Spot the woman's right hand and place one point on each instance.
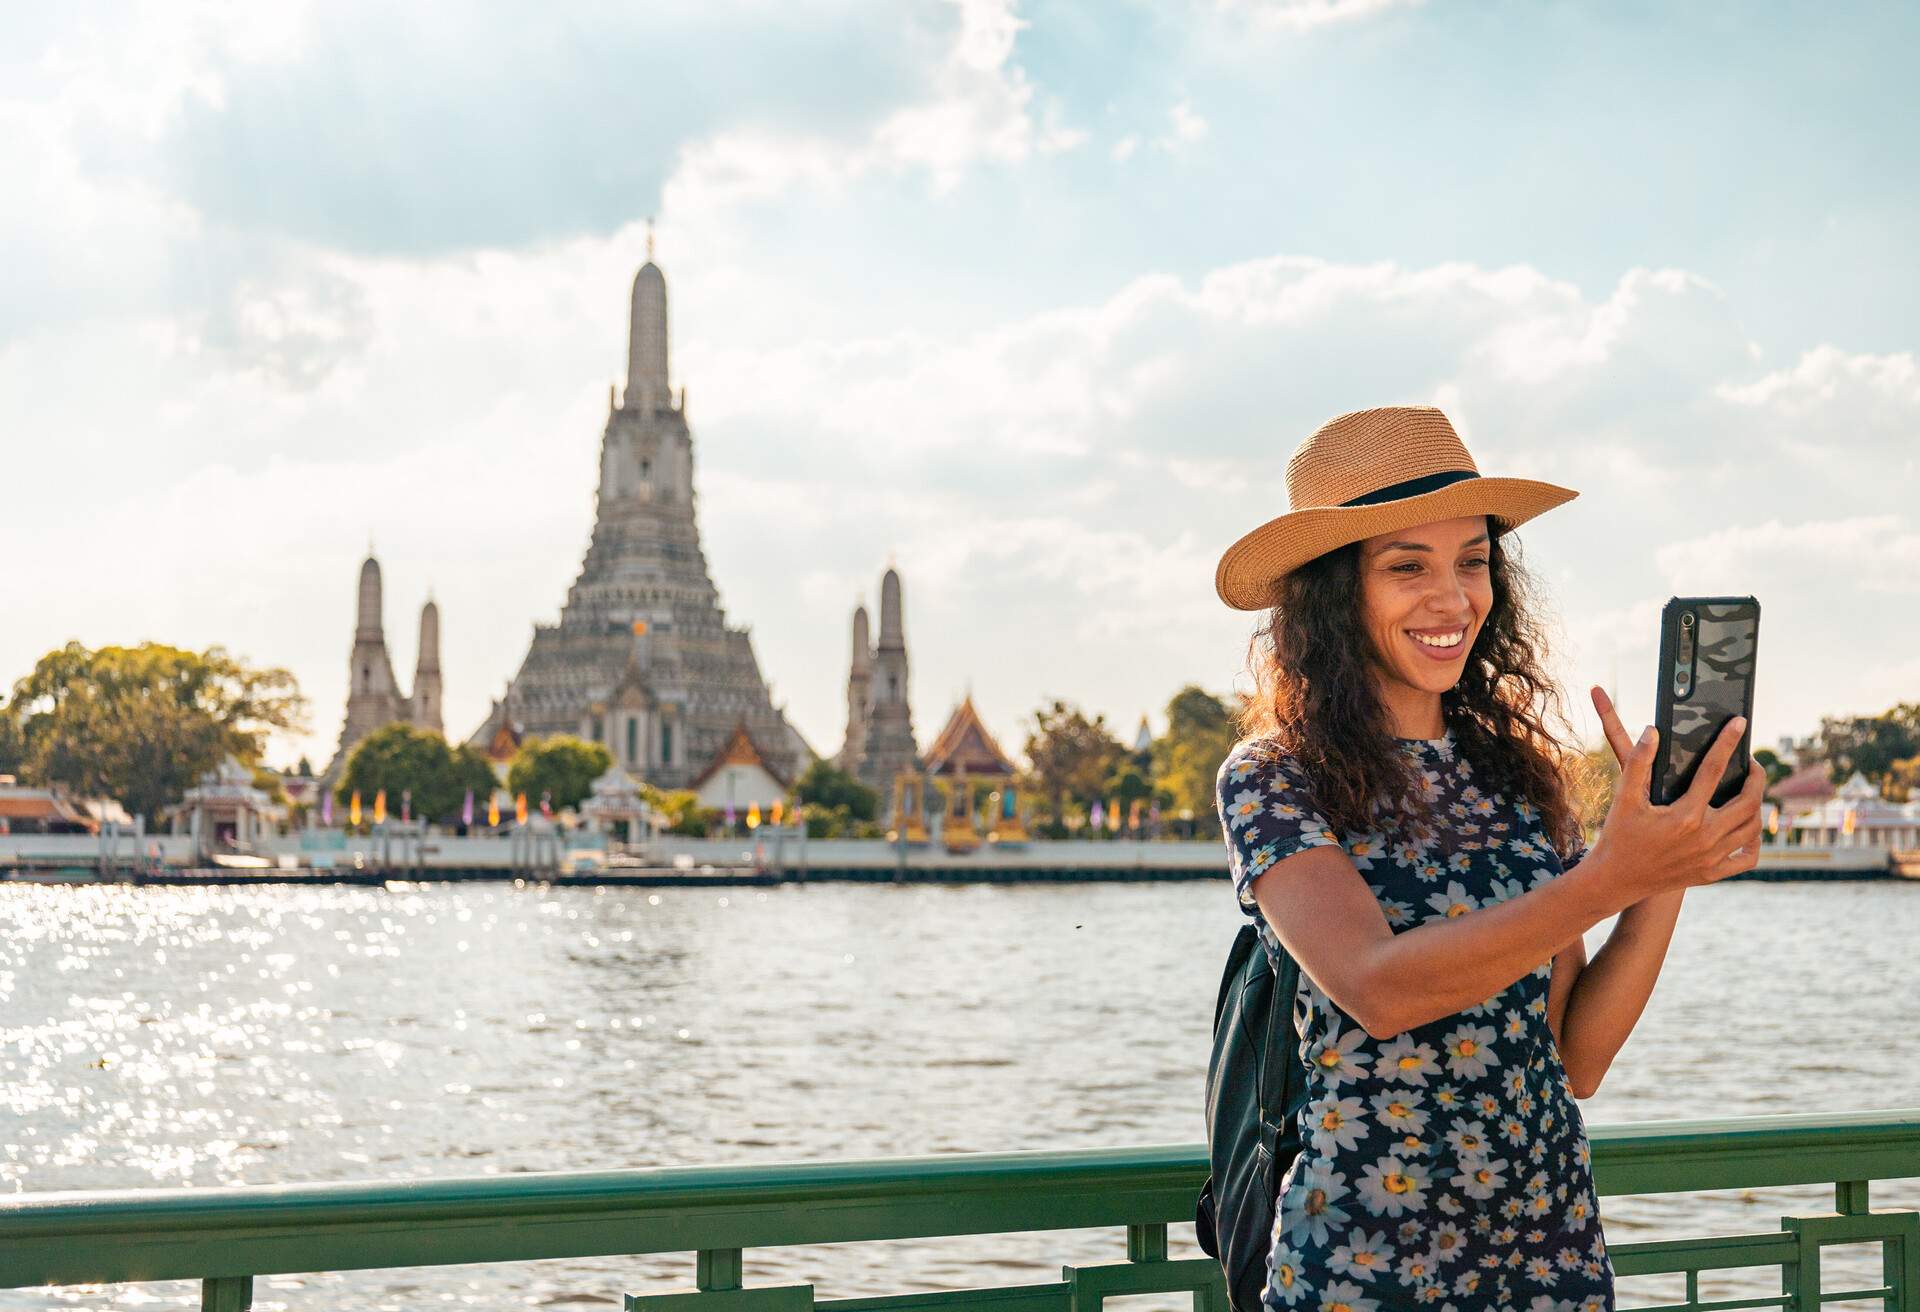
(1652, 849)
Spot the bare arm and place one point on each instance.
(1603, 999)
(1328, 920)
(1611, 991)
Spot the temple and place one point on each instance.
(879, 748)
(642, 659)
(968, 762)
(374, 698)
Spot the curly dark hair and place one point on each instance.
(1315, 697)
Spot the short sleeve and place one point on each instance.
(1266, 814)
(1575, 852)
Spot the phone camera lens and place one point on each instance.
(1686, 619)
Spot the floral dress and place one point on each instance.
(1447, 1166)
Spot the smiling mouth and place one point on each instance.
(1439, 640)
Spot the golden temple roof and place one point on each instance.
(739, 749)
(966, 745)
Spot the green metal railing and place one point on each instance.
(225, 1237)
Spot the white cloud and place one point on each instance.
(1185, 127)
(1302, 15)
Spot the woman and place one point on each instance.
(1400, 818)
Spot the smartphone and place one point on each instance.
(1707, 647)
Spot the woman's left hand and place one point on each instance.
(1622, 745)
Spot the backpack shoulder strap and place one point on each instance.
(1279, 1080)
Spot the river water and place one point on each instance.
(165, 1037)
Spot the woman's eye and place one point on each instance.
(1406, 567)
(1475, 562)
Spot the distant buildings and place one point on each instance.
(879, 746)
(28, 810)
(1855, 815)
(642, 659)
(373, 694)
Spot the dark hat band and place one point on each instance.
(1412, 487)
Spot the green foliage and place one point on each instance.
(1770, 761)
(1870, 744)
(1186, 759)
(142, 724)
(681, 811)
(561, 767)
(830, 789)
(1071, 756)
(13, 744)
(401, 758)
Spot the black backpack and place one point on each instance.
(1255, 1087)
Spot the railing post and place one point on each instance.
(226, 1294)
(717, 1268)
(1147, 1243)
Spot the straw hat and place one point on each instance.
(1371, 472)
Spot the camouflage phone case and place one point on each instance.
(1719, 686)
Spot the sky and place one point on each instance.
(1032, 299)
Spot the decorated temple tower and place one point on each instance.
(642, 658)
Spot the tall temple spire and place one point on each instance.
(859, 691)
(647, 387)
(426, 671)
(643, 658)
(370, 625)
(373, 695)
(890, 749)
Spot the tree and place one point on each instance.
(142, 724)
(1770, 761)
(402, 759)
(1201, 730)
(561, 767)
(1071, 756)
(826, 786)
(13, 747)
(1870, 743)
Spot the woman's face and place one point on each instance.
(1424, 592)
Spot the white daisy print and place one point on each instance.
(1362, 1255)
(1447, 1163)
(1391, 1186)
(1470, 1051)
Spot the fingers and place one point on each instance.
(1713, 764)
(1610, 725)
(1740, 817)
(1736, 861)
(1636, 771)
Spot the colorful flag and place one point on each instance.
(326, 808)
(493, 811)
(353, 808)
(546, 805)
(1113, 816)
(380, 807)
(466, 810)
(753, 815)
(520, 808)
(1097, 817)
(773, 816)
(406, 805)
(729, 815)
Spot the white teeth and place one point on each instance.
(1439, 640)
